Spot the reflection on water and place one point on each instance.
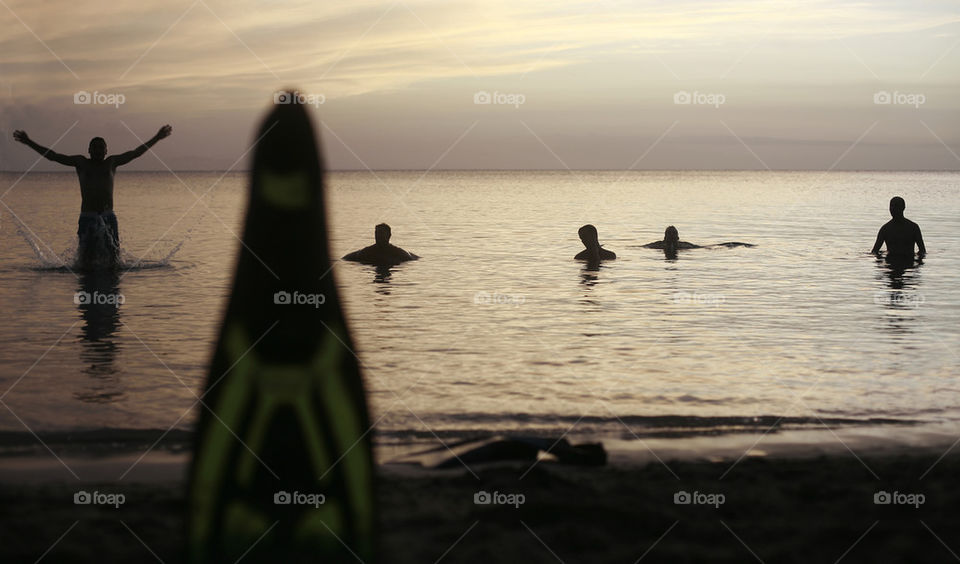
(901, 274)
(589, 278)
(903, 298)
(99, 299)
(492, 321)
(590, 274)
(382, 279)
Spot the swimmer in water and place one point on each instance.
(593, 252)
(381, 253)
(96, 181)
(671, 243)
(900, 235)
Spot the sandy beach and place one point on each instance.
(810, 508)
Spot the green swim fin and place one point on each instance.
(283, 465)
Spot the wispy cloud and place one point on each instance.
(360, 47)
(214, 63)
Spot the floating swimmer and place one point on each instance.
(97, 230)
(381, 253)
(593, 252)
(671, 242)
(900, 235)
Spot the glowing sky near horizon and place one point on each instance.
(783, 84)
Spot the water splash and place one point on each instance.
(99, 254)
(48, 259)
(68, 260)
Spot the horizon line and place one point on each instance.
(426, 170)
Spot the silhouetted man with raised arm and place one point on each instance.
(96, 181)
(900, 234)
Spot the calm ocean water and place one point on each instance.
(497, 328)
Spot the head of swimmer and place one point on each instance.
(671, 235)
(589, 237)
(897, 205)
(382, 234)
(97, 149)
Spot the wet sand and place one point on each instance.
(792, 509)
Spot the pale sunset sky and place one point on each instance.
(580, 85)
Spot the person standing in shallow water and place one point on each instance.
(381, 253)
(96, 181)
(900, 235)
(593, 252)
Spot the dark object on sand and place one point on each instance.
(283, 466)
(504, 449)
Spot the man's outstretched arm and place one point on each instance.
(54, 156)
(124, 158)
(879, 243)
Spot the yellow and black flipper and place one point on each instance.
(283, 465)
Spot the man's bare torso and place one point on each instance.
(96, 184)
(900, 236)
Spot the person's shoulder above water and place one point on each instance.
(397, 253)
(381, 253)
(377, 254)
(362, 255)
(593, 251)
(671, 245)
(604, 254)
(671, 241)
